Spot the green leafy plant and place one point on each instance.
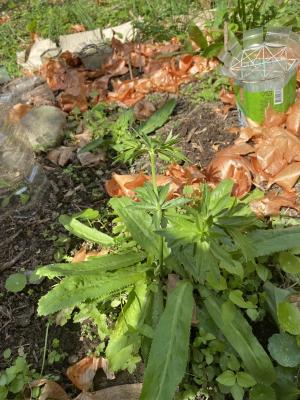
(215, 245)
(206, 88)
(130, 140)
(242, 15)
(17, 282)
(14, 379)
(224, 260)
(55, 355)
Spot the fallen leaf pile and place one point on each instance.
(262, 156)
(176, 176)
(62, 155)
(82, 375)
(150, 66)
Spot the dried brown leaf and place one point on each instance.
(124, 185)
(122, 392)
(143, 110)
(231, 167)
(50, 391)
(61, 155)
(77, 28)
(274, 118)
(4, 19)
(91, 159)
(227, 97)
(287, 177)
(272, 203)
(70, 59)
(80, 255)
(68, 102)
(82, 373)
(293, 119)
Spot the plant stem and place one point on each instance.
(159, 210)
(153, 170)
(45, 348)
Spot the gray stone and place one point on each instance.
(4, 76)
(19, 86)
(44, 127)
(94, 57)
(39, 96)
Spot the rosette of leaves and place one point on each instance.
(218, 250)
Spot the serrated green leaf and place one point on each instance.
(72, 291)
(245, 380)
(122, 343)
(17, 384)
(262, 392)
(289, 263)
(94, 266)
(84, 232)
(169, 351)
(269, 241)
(236, 296)
(175, 203)
(139, 224)
(220, 197)
(284, 349)
(239, 334)
(159, 118)
(227, 378)
(289, 317)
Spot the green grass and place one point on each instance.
(49, 19)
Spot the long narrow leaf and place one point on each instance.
(139, 224)
(72, 291)
(169, 351)
(94, 266)
(159, 118)
(85, 232)
(238, 333)
(197, 36)
(121, 344)
(271, 241)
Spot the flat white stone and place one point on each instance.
(75, 42)
(38, 49)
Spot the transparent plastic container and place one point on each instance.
(22, 180)
(264, 70)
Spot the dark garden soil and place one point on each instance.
(35, 237)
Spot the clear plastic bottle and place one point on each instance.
(22, 180)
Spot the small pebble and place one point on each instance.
(72, 359)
